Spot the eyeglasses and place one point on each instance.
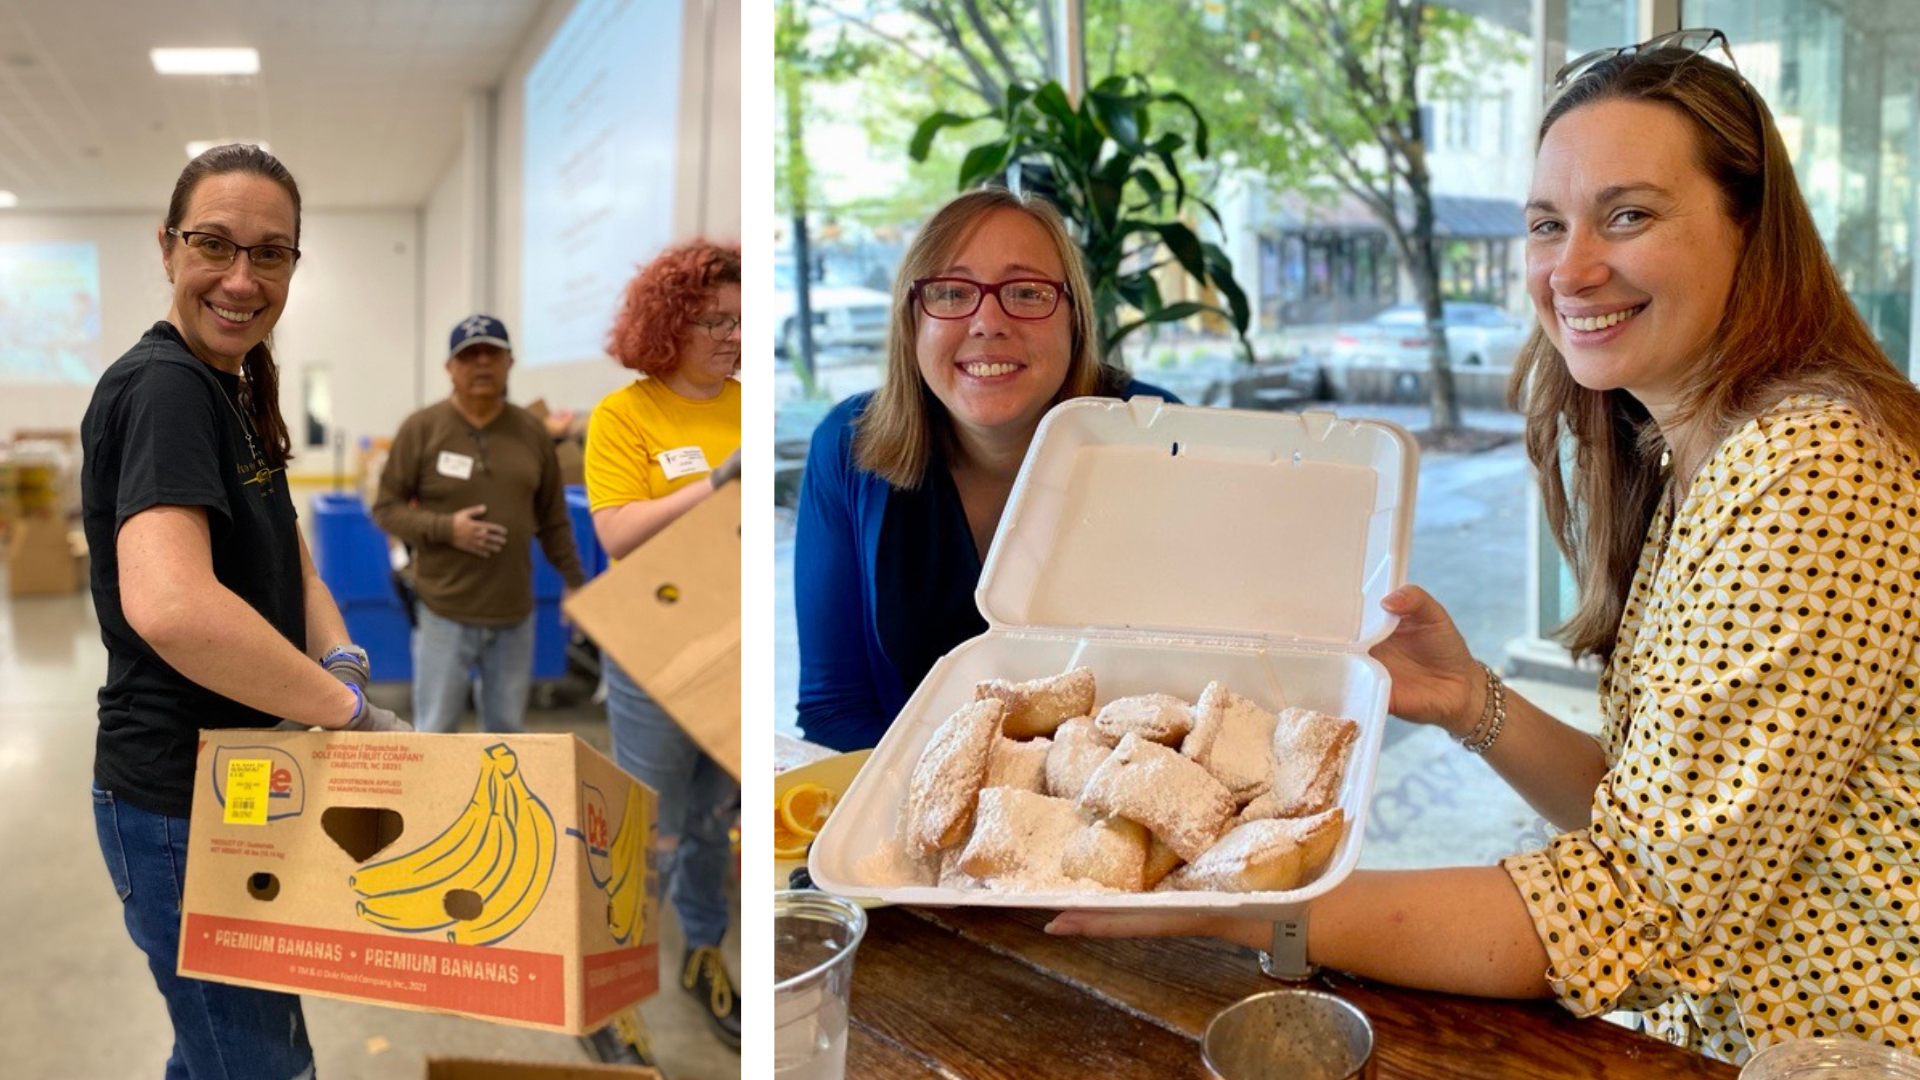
(480, 444)
(217, 253)
(959, 298)
(1694, 42)
(720, 329)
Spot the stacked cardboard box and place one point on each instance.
(39, 497)
(45, 557)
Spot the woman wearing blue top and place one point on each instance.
(904, 486)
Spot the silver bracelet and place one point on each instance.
(1492, 718)
(1479, 729)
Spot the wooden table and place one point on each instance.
(983, 994)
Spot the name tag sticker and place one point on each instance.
(458, 466)
(683, 461)
(247, 791)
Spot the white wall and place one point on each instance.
(377, 291)
(723, 182)
(353, 306)
(446, 287)
(706, 187)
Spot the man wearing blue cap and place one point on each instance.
(469, 483)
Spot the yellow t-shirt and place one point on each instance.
(645, 441)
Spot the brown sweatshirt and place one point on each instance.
(440, 463)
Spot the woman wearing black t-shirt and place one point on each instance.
(211, 611)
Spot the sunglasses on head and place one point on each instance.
(1696, 42)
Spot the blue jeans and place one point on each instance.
(445, 653)
(220, 1032)
(698, 803)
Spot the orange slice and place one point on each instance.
(788, 844)
(804, 808)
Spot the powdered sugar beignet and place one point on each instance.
(1078, 749)
(1161, 861)
(1309, 760)
(1273, 855)
(1038, 706)
(938, 810)
(1145, 782)
(1018, 836)
(1160, 718)
(1232, 738)
(1018, 763)
(1109, 850)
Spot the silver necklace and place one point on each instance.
(246, 428)
(261, 473)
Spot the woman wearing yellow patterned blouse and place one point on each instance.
(1741, 860)
(655, 449)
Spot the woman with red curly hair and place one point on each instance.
(655, 448)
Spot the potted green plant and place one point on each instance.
(1120, 187)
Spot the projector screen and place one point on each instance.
(49, 313)
(602, 104)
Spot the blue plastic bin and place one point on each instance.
(547, 583)
(381, 628)
(549, 641)
(349, 552)
(593, 558)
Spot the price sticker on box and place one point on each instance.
(247, 782)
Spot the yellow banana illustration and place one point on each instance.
(440, 857)
(482, 877)
(520, 889)
(421, 909)
(626, 890)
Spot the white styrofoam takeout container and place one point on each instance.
(1164, 546)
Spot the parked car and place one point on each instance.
(844, 316)
(1478, 335)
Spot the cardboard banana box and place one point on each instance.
(499, 877)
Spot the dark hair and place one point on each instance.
(1789, 328)
(260, 382)
(664, 298)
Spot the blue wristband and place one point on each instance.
(350, 652)
(359, 702)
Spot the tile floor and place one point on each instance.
(76, 999)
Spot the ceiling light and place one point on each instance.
(8, 200)
(198, 147)
(206, 61)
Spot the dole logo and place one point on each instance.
(595, 832)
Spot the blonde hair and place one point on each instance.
(1789, 327)
(894, 436)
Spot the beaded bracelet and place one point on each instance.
(1479, 728)
(1493, 716)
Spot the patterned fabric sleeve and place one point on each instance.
(1772, 647)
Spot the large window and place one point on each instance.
(1843, 80)
(1317, 260)
(1318, 263)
